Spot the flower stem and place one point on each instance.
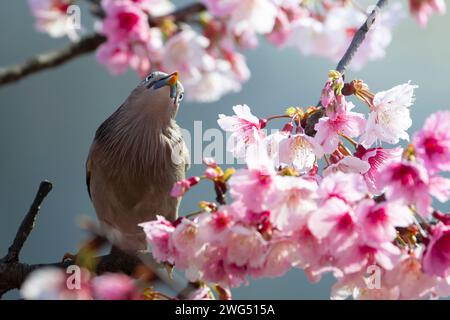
(353, 142)
(277, 117)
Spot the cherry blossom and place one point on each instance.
(256, 16)
(52, 284)
(328, 128)
(432, 142)
(378, 221)
(181, 187)
(423, 10)
(436, 260)
(409, 183)
(124, 21)
(348, 164)
(158, 233)
(245, 129)
(291, 200)
(348, 187)
(377, 158)
(115, 286)
(52, 17)
(390, 116)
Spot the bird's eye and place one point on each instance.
(149, 77)
(180, 96)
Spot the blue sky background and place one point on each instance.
(47, 122)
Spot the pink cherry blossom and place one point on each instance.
(211, 173)
(251, 186)
(158, 234)
(245, 247)
(52, 17)
(154, 7)
(411, 281)
(52, 283)
(384, 254)
(245, 129)
(256, 16)
(377, 158)
(422, 10)
(130, 40)
(328, 128)
(334, 221)
(436, 260)
(186, 52)
(348, 164)
(378, 221)
(281, 257)
(124, 22)
(291, 200)
(328, 33)
(299, 151)
(407, 182)
(114, 286)
(349, 187)
(182, 186)
(202, 293)
(440, 188)
(206, 75)
(184, 242)
(432, 142)
(355, 285)
(288, 14)
(390, 116)
(116, 56)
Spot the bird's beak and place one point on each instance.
(171, 81)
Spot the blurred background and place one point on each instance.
(47, 123)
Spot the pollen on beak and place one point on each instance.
(171, 81)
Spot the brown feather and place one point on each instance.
(129, 170)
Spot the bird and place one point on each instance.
(137, 155)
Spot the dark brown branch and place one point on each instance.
(87, 44)
(13, 272)
(50, 59)
(359, 37)
(28, 223)
(183, 14)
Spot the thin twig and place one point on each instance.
(356, 42)
(86, 44)
(50, 59)
(28, 223)
(359, 37)
(13, 272)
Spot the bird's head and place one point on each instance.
(160, 93)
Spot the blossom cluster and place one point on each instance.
(54, 283)
(208, 57)
(306, 200)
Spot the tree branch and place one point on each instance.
(342, 65)
(13, 272)
(50, 59)
(28, 223)
(87, 44)
(359, 37)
